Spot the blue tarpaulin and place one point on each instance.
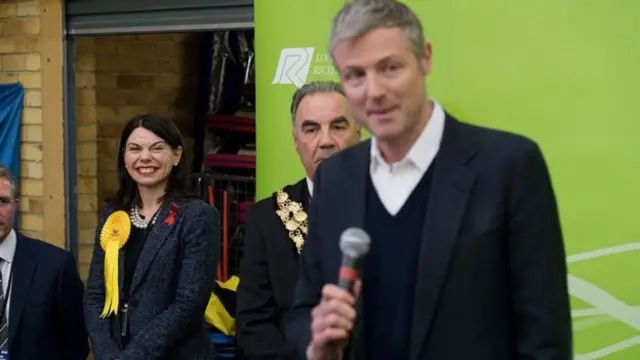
(11, 98)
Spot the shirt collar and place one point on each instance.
(426, 146)
(8, 247)
(310, 187)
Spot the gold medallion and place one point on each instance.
(293, 217)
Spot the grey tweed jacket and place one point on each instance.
(171, 286)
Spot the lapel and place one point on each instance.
(153, 243)
(23, 268)
(354, 190)
(354, 204)
(450, 190)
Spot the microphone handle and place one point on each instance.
(346, 279)
(349, 273)
(346, 284)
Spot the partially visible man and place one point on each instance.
(41, 318)
(277, 226)
(467, 259)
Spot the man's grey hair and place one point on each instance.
(358, 17)
(314, 87)
(6, 174)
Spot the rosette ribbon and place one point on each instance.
(113, 236)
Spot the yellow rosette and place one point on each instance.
(113, 236)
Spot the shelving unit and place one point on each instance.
(223, 170)
(230, 161)
(230, 126)
(231, 123)
(226, 178)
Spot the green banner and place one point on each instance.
(562, 72)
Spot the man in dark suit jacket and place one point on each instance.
(42, 317)
(466, 259)
(276, 226)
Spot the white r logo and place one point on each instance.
(293, 66)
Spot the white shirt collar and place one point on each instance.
(425, 148)
(8, 247)
(310, 186)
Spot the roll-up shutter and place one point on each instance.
(92, 17)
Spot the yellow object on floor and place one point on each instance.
(221, 310)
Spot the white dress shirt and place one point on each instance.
(7, 252)
(394, 183)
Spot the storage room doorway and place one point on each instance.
(191, 61)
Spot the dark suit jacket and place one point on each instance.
(491, 281)
(268, 275)
(171, 287)
(45, 311)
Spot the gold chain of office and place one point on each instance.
(293, 217)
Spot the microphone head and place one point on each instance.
(354, 242)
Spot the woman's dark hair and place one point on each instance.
(127, 194)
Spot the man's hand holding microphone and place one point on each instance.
(334, 318)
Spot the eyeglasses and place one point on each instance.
(5, 202)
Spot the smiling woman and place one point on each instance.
(149, 163)
(170, 242)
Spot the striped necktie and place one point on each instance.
(4, 329)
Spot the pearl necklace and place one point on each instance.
(138, 221)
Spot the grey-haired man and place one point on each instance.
(467, 259)
(277, 226)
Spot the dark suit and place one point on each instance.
(45, 311)
(491, 278)
(268, 275)
(171, 286)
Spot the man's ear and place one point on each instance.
(425, 61)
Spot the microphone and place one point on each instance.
(354, 244)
